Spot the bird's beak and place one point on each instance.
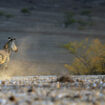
(16, 50)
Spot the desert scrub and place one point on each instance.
(81, 28)
(9, 15)
(86, 12)
(69, 19)
(89, 57)
(82, 23)
(25, 10)
(2, 13)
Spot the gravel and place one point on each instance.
(46, 90)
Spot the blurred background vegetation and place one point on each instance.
(89, 57)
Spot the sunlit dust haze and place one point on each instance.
(21, 62)
(32, 58)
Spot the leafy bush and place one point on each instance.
(89, 57)
(82, 23)
(1, 13)
(25, 10)
(86, 12)
(81, 28)
(9, 15)
(69, 19)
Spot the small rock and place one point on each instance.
(58, 85)
(2, 101)
(65, 79)
(3, 82)
(30, 90)
(12, 98)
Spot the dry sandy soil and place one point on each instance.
(41, 33)
(47, 90)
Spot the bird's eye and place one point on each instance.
(9, 38)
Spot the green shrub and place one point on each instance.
(69, 22)
(69, 19)
(89, 57)
(9, 15)
(2, 13)
(91, 23)
(25, 10)
(83, 23)
(81, 28)
(86, 12)
(69, 14)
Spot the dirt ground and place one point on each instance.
(47, 90)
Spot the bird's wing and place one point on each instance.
(2, 59)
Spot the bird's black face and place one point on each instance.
(11, 44)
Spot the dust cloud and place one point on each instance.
(20, 62)
(33, 58)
